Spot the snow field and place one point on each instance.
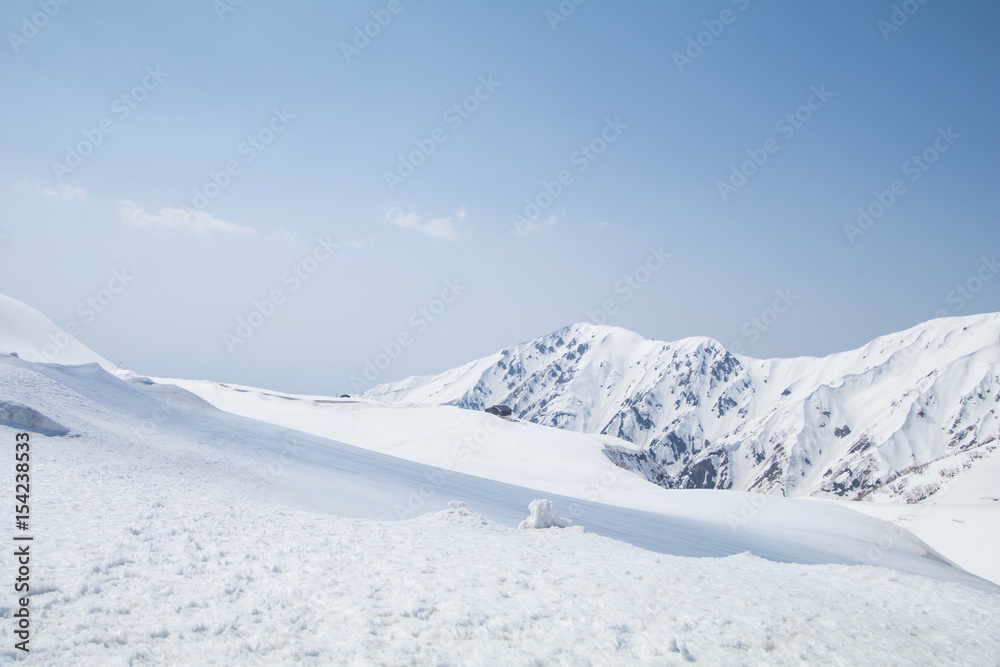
(168, 532)
(177, 563)
(572, 465)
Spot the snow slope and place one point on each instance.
(167, 531)
(28, 333)
(847, 425)
(961, 521)
(549, 460)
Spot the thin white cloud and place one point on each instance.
(554, 220)
(177, 219)
(63, 193)
(283, 235)
(435, 228)
(536, 224)
(602, 225)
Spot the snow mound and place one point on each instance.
(23, 418)
(27, 333)
(543, 515)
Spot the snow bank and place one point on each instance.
(238, 578)
(568, 468)
(543, 515)
(195, 555)
(24, 418)
(27, 333)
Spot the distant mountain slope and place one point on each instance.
(126, 433)
(142, 440)
(26, 332)
(873, 419)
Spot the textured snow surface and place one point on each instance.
(138, 415)
(168, 531)
(572, 464)
(28, 419)
(541, 514)
(161, 561)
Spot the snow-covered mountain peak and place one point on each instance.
(612, 335)
(848, 424)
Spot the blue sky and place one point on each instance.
(619, 100)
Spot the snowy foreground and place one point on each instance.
(956, 523)
(167, 531)
(170, 531)
(234, 580)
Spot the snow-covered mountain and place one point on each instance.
(173, 518)
(897, 418)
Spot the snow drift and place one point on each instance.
(26, 332)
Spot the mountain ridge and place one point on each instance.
(847, 425)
